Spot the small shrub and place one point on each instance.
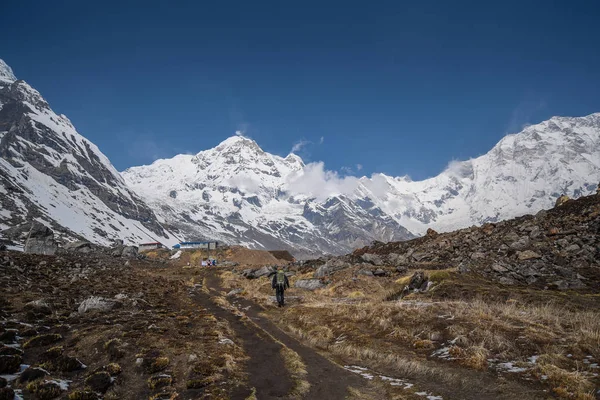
(42, 340)
(159, 381)
(83, 395)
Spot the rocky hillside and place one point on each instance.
(50, 173)
(555, 249)
(238, 193)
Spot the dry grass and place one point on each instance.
(396, 334)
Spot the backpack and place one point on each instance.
(280, 280)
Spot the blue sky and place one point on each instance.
(397, 87)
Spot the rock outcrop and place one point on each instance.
(40, 240)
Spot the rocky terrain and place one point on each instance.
(502, 311)
(89, 326)
(553, 249)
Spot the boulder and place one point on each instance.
(80, 246)
(365, 272)
(264, 271)
(477, 255)
(372, 259)
(380, 272)
(330, 267)
(572, 248)
(40, 240)
(309, 284)
(431, 233)
(397, 259)
(38, 306)
(96, 303)
(402, 269)
(420, 256)
(561, 200)
(129, 252)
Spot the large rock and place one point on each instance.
(309, 284)
(40, 240)
(330, 267)
(80, 246)
(397, 260)
(96, 303)
(130, 252)
(372, 258)
(264, 271)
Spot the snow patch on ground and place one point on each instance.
(176, 255)
(370, 375)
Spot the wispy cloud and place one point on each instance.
(299, 145)
(523, 114)
(322, 139)
(359, 167)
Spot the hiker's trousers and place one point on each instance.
(279, 293)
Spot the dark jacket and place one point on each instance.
(274, 282)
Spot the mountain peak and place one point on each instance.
(6, 72)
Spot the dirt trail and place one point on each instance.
(266, 368)
(327, 380)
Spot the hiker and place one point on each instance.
(280, 283)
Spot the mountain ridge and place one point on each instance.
(522, 173)
(50, 173)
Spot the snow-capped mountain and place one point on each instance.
(50, 173)
(238, 193)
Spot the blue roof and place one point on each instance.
(214, 241)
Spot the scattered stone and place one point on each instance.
(527, 255)
(572, 248)
(40, 240)
(235, 292)
(309, 284)
(380, 272)
(520, 244)
(499, 268)
(365, 272)
(478, 256)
